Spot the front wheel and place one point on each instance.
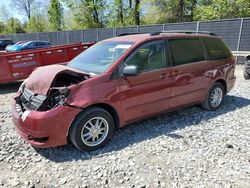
(92, 129)
(214, 97)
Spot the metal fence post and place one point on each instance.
(163, 27)
(114, 32)
(240, 33)
(48, 36)
(197, 27)
(69, 37)
(239, 38)
(82, 35)
(97, 35)
(57, 42)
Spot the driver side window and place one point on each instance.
(148, 57)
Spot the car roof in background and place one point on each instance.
(39, 41)
(4, 39)
(28, 42)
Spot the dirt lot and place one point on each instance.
(185, 148)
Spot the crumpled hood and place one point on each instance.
(39, 82)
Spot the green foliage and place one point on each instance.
(165, 11)
(55, 14)
(37, 23)
(2, 27)
(87, 13)
(120, 14)
(14, 26)
(223, 9)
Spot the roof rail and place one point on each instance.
(124, 34)
(184, 31)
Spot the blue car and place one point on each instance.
(27, 45)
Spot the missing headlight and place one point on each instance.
(55, 98)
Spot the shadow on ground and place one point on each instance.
(10, 87)
(147, 129)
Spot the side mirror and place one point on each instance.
(131, 70)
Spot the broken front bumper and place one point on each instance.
(44, 129)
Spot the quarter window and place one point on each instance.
(149, 56)
(186, 51)
(216, 49)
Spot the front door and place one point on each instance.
(149, 91)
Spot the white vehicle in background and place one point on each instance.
(247, 68)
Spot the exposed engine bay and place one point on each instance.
(56, 95)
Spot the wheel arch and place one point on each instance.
(109, 109)
(220, 80)
(104, 106)
(223, 82)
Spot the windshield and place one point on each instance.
(99, 57)
(24, 44)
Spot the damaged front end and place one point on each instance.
(30, 99)
(39, 111)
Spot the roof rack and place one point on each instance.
(124, 34)
(184, 31)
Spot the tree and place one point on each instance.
(2, 27)
(24, 6)
(119, 9)
(164, 11)
(119, 13)
(14, 26)
(37, 23)
(221, 9)
(160, 11)
(137, 12)
(55, 14)
(87, 13)
(180, 10)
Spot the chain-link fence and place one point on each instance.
(235, 32)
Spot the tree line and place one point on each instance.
(58, 15)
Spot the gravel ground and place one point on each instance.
(185, 148)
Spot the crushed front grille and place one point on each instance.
(31, 101)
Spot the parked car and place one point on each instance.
(4, 43)
(10, 45)
(119, 81)
(28, 46)
(247, 68)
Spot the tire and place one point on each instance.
(246, 75)
(214, 97)
(92, 129)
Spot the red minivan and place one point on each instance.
(118, 81)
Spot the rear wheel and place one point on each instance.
(214, 97)
(92, 129)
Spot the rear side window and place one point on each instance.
(40, 44)
(7, 42)
(216, 49)
(186, 51)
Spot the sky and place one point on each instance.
(14, 13)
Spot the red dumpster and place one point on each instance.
(19, 65)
